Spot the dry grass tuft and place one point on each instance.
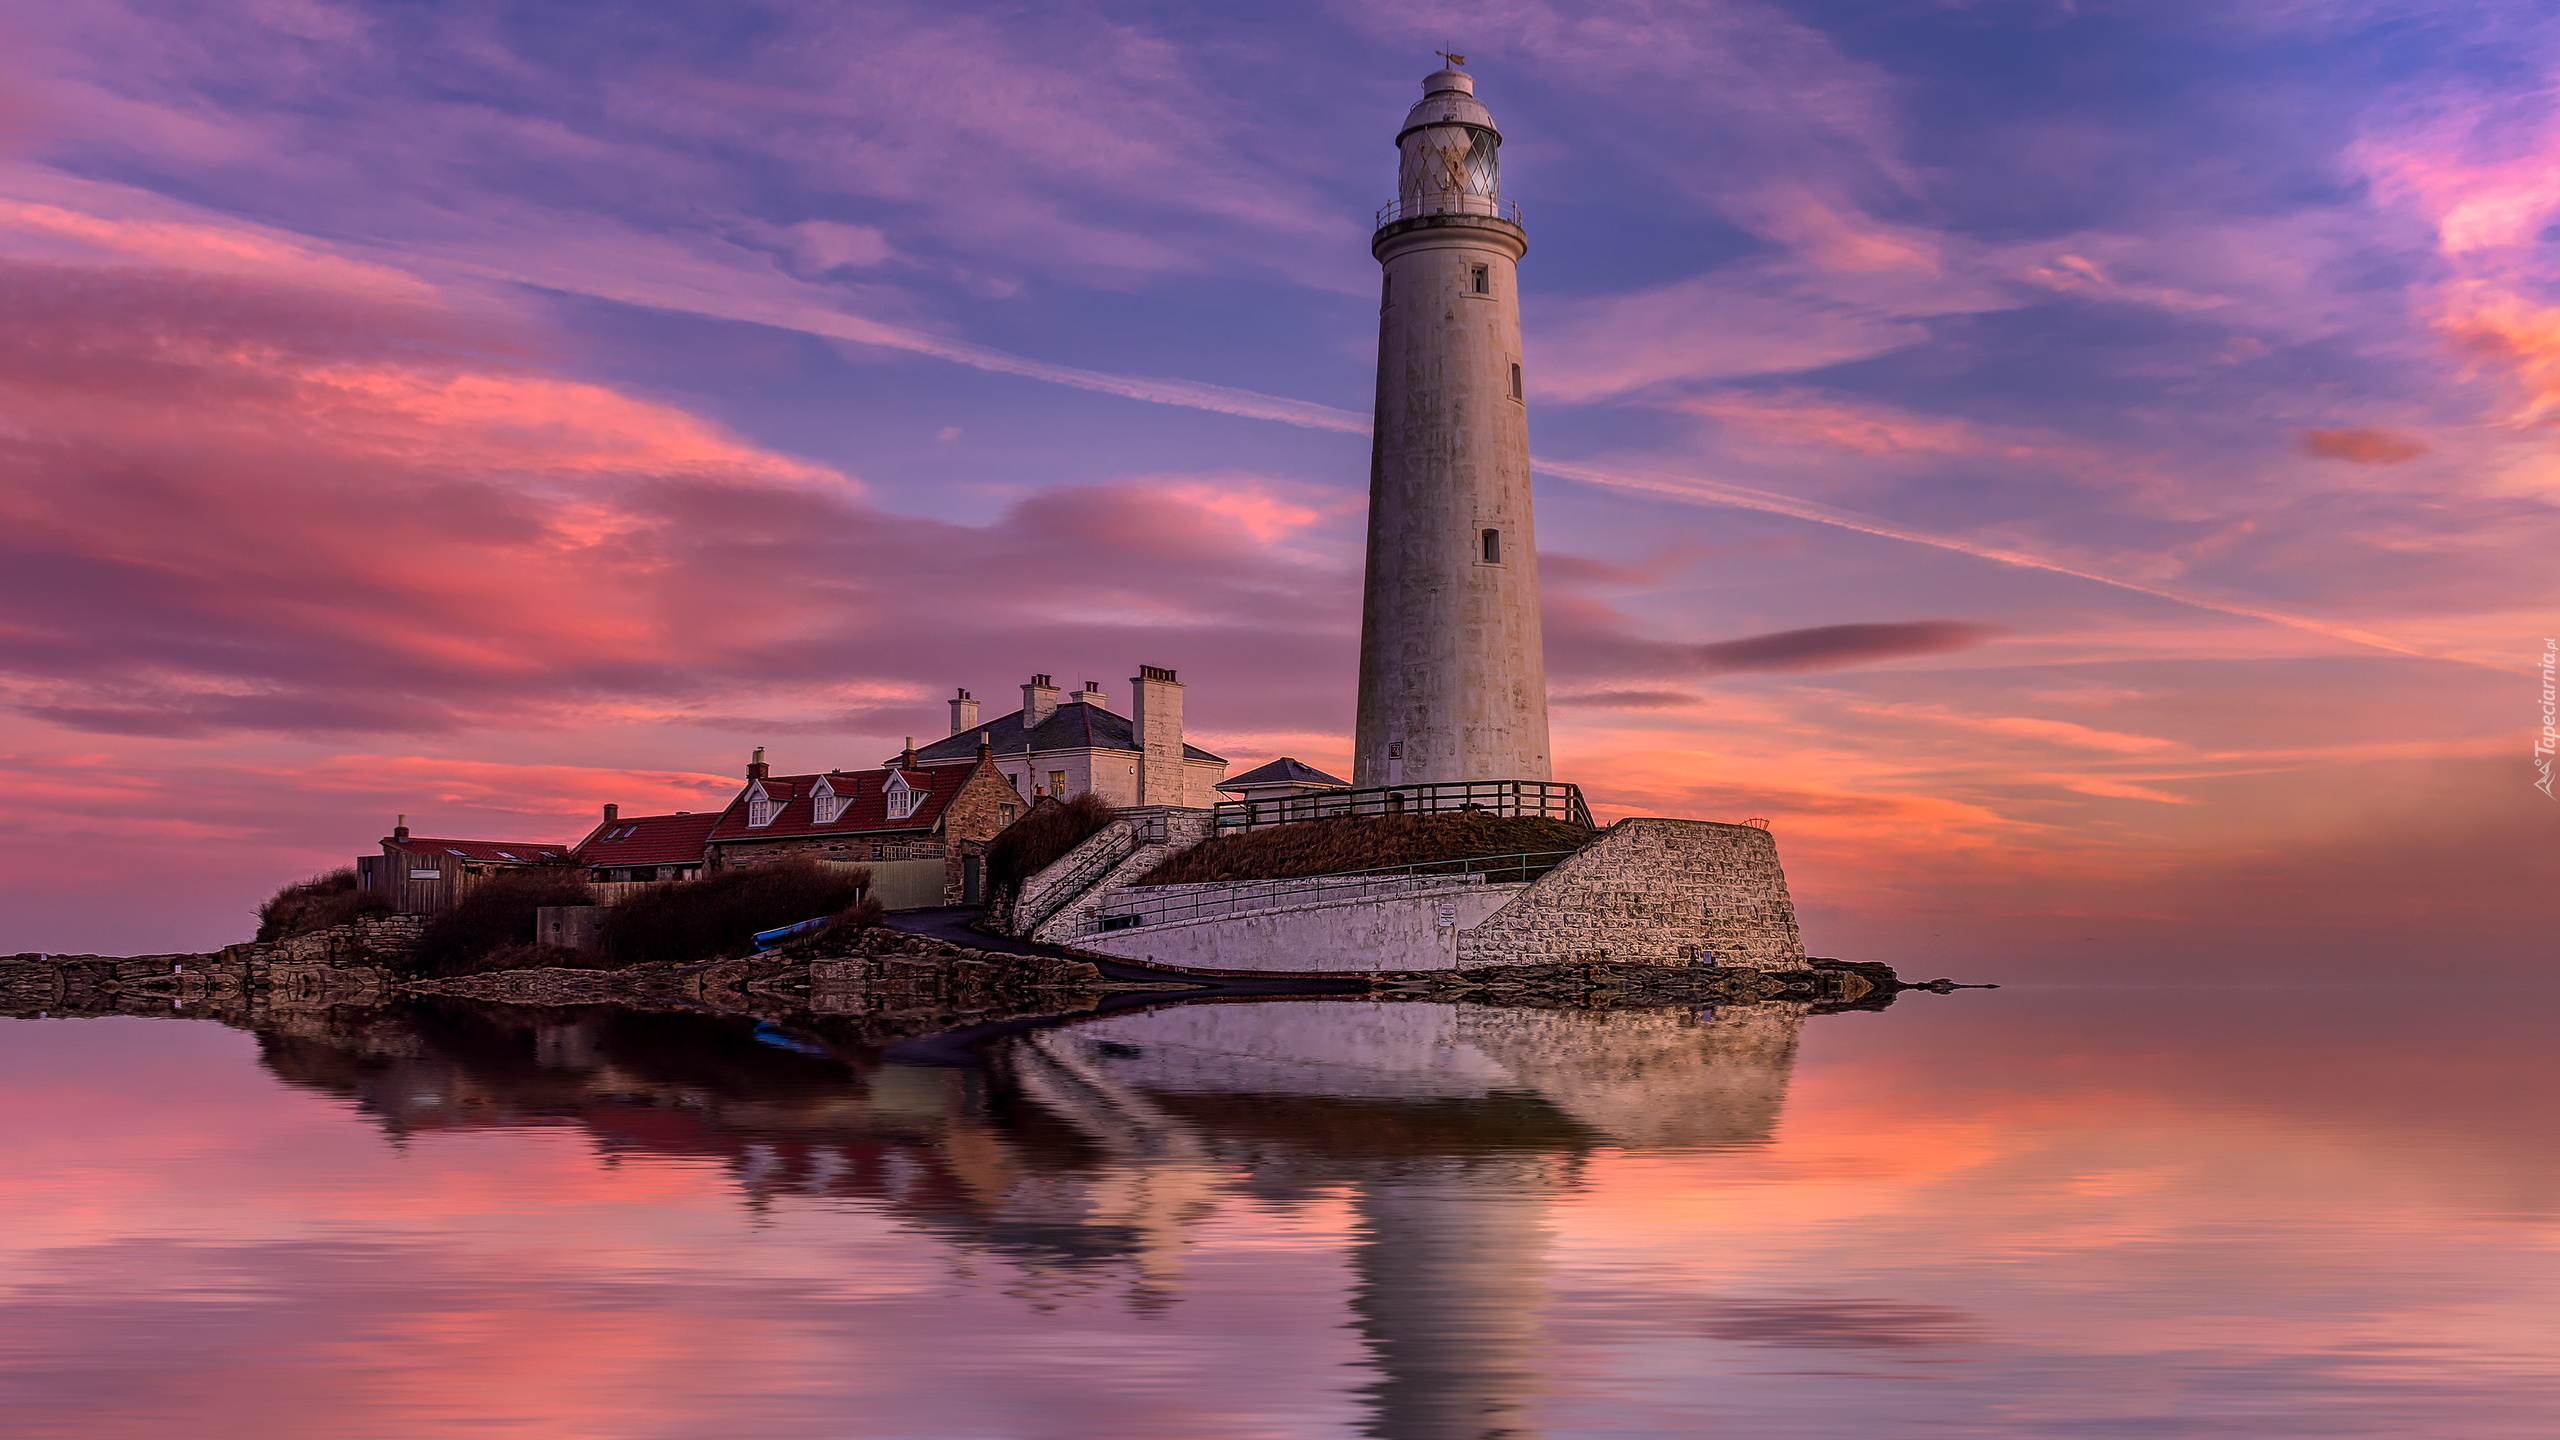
(1363, 842)
(721, 913)
(495, 916)
(1033, 843)
(317, 904)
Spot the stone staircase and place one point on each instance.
(1058, 905)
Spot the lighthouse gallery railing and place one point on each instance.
(1447, 202)
(1547, 799)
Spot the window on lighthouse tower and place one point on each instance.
(1480, 279)
(1493, 547)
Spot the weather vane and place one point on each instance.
(1454, 60)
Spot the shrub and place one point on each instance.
(721, 913)
(317, 904)
(495, 914)
(1363, 842)
(1052, 828)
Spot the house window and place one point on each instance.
(902, 800)
(1493, 547)
(827, 804)
(761, 808)
(1515, 380)
(1480, 279)
(1004, 814)
(1058, 783)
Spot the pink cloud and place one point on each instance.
(242, 506)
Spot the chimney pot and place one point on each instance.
(400, 827)
(756, 768)
(612, 813)
(1039, 702)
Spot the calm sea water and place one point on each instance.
(2032, 1212)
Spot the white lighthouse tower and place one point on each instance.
(1453, 673)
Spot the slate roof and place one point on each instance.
(1082, 725)
(868, 814)
(649, 840)
(499, 852)
(1283, 771)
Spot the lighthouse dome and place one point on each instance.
(1448, 98)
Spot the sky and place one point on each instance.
(2084, 472)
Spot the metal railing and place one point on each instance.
(1133, 908)
(1444, 202)
(1548, 799)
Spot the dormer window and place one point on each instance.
(761, 807)
(827, 803)
(903, 798)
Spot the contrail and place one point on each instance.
(1712, 492)
(1253, 405)
(836, 325)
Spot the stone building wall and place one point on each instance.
(1656, 892)
(984, 806)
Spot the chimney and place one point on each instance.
(1155, 718)
(907, 761)
(986, 752)
(1039, 702)
(964, 712)
(756, 768)
(612, 813)
(400, 827)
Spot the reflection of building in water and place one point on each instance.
(1097, 1149)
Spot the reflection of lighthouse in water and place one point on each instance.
(1455, 1126)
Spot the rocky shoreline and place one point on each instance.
(863, 972)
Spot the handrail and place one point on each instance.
(1549, 799)
(1447, 202)
(1129, 909)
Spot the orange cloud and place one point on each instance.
(2362, 445)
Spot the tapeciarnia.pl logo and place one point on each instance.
(2549, 740)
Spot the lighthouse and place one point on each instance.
(1453, 675)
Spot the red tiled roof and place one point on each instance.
(503, 852)
(649, 840)
(868, 813)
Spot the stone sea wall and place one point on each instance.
(1651, 892)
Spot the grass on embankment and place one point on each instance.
(1364, 842)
